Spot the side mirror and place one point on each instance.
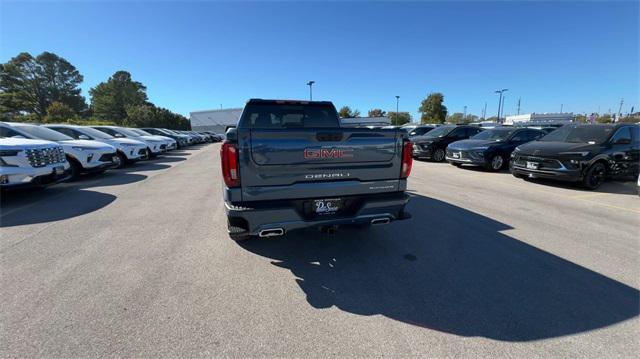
(118, 135)
(83, 137)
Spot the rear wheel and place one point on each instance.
(438, 155)
(595, 176)
(237, 233)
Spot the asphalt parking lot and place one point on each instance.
(137, 263)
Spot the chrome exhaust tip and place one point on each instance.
(272, 232)
(385, 220)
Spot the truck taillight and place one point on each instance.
(407, 159)
(230, 168)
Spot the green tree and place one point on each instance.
(456, 117)
(346, 112)
(59, 112)
(376, 112)
(580, 118)
(606, 118)
(400, 118)
(29, 85)
(110, 99)
(432, 109)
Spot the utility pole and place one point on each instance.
(464, 116)
(397, 107)
(518, 105)
(310, 84)
(484, 111)
(620, 109)
(500, 101)
(561, 106)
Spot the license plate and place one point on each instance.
(456, 154)
(327, 206)
(532, 165)
(58, 170)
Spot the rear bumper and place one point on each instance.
(288, 215)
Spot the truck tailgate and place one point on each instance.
(289, 163)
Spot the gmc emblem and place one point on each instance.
(321, 153)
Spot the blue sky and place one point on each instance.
(200, 55)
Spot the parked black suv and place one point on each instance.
(490, 148)
(421, 130)
(581, 153)
(434, 143)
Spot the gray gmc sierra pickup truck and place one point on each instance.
(290, 165)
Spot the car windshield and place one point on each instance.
(439, 131)
(140, 132)
(496, 134)
(43, 133)
(127, 132)
(592, 134)
(92, 132)
(419, 131)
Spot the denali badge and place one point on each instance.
(321, 153)
(327, 175)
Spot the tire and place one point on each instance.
(123, 160)
(75, 169)
(438, 155)
(595, 176)
(495, 164)
(237, 233)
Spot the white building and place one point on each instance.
(217, 121)
(365, 121)
(539, 118)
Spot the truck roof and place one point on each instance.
(288, 102)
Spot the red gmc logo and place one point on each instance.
(320, 153)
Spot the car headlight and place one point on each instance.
(82, 148)
(9, 153)
(575, 154)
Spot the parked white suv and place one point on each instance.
(128, 150)
(84, 156)
(154, 146)
(26, 162)
(170, 143)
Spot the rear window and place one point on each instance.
(278, 116)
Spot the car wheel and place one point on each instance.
(595, 176)
(438, 156)
(496, 163)
(237, 233)
(75, 169)
(123, 160)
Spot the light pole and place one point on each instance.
(465, 114)
(500, 101)
(310, 84)
(397, 106)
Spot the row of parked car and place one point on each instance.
(38, 155)
(589, 154)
